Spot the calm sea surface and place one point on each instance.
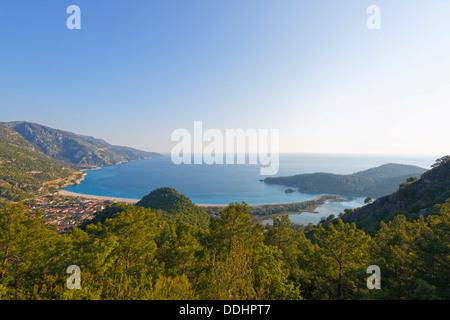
(222, 184)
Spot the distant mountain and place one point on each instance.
(373, 182)
(78, 150)
(413, 199)
(177, 205)
(24, 170)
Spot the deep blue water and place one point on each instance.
(222, 184)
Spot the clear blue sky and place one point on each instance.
(139, 69)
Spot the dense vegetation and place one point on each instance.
(24, 170)
(177, 205)
(75, 149)
(373, 182)
(140, 254)
(262, 211)
(414, 198)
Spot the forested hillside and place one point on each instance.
(414, 198)
(373, 182)
(75, 149)
(177, 205)
(24, 170)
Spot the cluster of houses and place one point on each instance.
(65, 212)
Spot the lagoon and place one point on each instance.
(223, 184)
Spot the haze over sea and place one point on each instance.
(222, 184)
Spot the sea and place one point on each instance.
(226, 183)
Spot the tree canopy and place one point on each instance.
(140, 253)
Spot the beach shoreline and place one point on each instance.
(203, 205)
(102, 198)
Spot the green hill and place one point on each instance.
(75, 149)
(24, 170)
(176, 205)
(412, 199)
(373, 182)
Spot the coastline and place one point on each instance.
(258, 212)
(103, 198)
(203, 205)
(316, 198)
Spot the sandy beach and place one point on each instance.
(134, 201)
(87, 196)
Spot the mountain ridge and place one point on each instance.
(24, 171)
(75, 149)
(373, 182)
(412, 199)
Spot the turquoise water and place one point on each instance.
(222, 184)
(334, 207)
